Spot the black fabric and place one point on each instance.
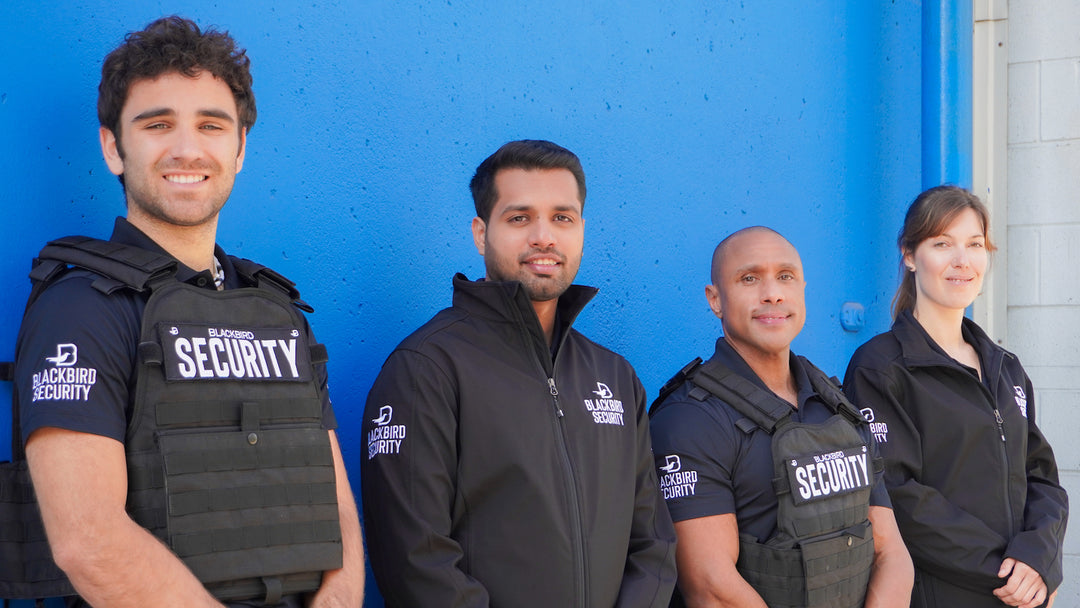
(822, 550)
(27, 570)
(497, 475)
(277, 476)
(972, 478)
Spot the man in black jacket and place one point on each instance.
(508, 459)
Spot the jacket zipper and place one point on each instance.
(1004, 449)
(576, 533)
(576, 519)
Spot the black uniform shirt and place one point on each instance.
(724, 470)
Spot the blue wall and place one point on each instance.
(692, 120)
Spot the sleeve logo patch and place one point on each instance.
(385, 438)
(675, 482)
(820, 476)
(879, 429)
(203, 352)
(62, 379)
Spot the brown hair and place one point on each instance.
(928, 216)
(173, 44)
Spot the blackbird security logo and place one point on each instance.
(1021, 399)
(605, 409)
(675, 482)
(385, 438)
(879, 429)
(62, 379)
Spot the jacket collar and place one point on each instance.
(920, 350)
(507, 301)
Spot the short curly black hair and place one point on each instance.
(173, 44)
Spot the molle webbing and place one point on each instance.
(27, 570)
(834, 570)
(234, 473)
(240, 485)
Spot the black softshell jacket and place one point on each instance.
(971, 477)
(518, 481)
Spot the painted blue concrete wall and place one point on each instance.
(692, 120)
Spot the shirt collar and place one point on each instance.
(126, 233)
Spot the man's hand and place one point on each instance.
(1024, 588)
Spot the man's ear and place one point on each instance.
(110, 149)
(712, 294)
(243, 149)
(479, 231)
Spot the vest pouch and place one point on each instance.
(27, 570)
(827, 572)
(252, 504)
(837, 567)
(775, 573)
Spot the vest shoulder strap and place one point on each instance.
(829, 391)
(763, 408)
(674, 383)
(267, 278)
(117, 264)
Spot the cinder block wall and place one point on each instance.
(1044, 232)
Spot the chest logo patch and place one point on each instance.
(205, 352)
(675, 482)
(1021, 399)
(820, 476)
(605, 408)
(62, 379)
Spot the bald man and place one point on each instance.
(769, 473)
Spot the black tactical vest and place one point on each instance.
(823, 548)
(227, 460)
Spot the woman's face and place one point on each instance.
(949, 267)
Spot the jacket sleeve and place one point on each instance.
(941, 537)
(649, 577)
(1046, 510)
(408, 487)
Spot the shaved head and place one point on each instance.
(725, 245)
(758, 292)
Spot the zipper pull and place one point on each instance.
(1000, 423)
(555, 396)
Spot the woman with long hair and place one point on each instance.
(973, 482)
